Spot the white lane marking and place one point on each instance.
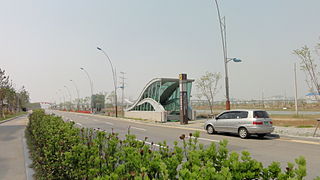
(204, 139)
(141, 129)
(300, 141)
(151, 143)
(109, 123)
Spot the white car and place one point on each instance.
(242, 122)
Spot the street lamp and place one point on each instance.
(59, 99)
(69, 96)
(75, 85)
(64, 99)
(91, 87)
(114, 80)
(223, 31)
(234, 60)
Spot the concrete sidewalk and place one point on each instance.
(12, 155)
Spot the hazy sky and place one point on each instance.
(44, 43)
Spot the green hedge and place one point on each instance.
(61, 151)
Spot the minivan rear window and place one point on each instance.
(260, 114)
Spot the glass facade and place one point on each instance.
(166, 93)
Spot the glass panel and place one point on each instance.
(260, 114)
(241, 114)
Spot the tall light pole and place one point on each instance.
(122, 87)
(64, 99)
(295, 90)
(59, 99)
(223, 31)
(77, 90)
(69, 96)
(114, 80)
(91, 88)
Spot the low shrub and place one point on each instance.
(62, 151)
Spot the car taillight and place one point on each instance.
(270, 122)
(257, 123)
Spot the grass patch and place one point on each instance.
(295, 123)
(305, 126)
(8, 116)
(295, 117)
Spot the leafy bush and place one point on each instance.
(61, 151)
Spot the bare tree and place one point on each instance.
(309, 67)
(208, 87)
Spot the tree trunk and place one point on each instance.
(211, 107)
(2, 110)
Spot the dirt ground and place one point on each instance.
(297, 123)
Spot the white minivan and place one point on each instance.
(242, 122)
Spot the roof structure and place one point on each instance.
(160, 94)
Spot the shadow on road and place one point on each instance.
(255, 137)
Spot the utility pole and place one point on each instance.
(295, 88)
(64, 99)
(91, 88)
(122, 87)
(262, 99)
(77, 90)
(69, 96)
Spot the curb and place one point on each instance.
(13, 118)
(27, 160)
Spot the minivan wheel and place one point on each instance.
(210, 129)
(243, 133)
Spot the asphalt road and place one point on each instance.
(266, 150)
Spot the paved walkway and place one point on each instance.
(12, 161)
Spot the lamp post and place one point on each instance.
(69, 96)
(64, 99)
(91, 88)
(59, 99)
(227, 80)
(223, 31)
(296, 91)
(114, 80)
(77, 90)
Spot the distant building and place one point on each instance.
(312, 97)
